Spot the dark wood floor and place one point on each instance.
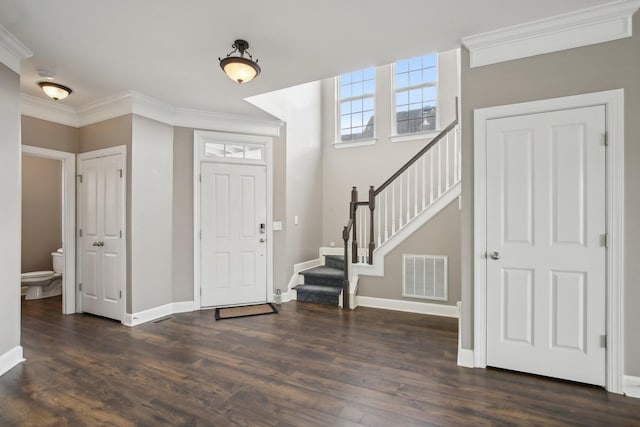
(309, 365)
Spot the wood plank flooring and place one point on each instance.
(309, 365)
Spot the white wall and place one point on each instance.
(151, 214)
(300, 108)
(10, 350)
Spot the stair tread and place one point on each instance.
(333, 290)
(324, 271)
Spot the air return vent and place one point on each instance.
(424, 276)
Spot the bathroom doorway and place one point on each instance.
(66, 218)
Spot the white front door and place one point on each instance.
(546, 224)
(233, 244)
(101, 220)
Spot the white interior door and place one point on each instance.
(546, 283)
(233, 243)
(101, 220)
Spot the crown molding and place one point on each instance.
(204, 120)
(585, 27)
(48, 110)
(130, 102)
(12, 51)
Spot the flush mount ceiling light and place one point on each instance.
(239, 68)
(54, 90)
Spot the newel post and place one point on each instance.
(352, 216)
(345, 279)
(372, 208)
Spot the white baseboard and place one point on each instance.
(408, 306)
(11, 359)
(157, 313)
(465, 358)
(632, 386)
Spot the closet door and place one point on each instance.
(102, 266)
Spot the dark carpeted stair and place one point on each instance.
(323, 284)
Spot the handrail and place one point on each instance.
(420, 153)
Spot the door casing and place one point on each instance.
(120, 149)
(200, 138)
(613, 101)
(68, 220)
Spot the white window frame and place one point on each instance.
(338, 137)
(403, 137)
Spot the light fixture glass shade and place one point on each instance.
(239, 69)
(54, 90)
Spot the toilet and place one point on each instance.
(43, 284)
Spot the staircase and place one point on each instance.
(323, 284)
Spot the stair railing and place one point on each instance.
(421, 181)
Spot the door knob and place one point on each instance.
(261, 240)
(495, 255)
(95, 244)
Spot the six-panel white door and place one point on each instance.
(546, 284)
(101, 219)
(233, 226)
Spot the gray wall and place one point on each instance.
(182, 214)
(587, 69)
(9, 210)
(439, 236)
(54, 136)
(105, 134)
(41, 212)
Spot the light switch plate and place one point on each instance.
(277, 225)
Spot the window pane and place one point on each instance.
(345, 78)
(214, 149)
(234, 151)
(402, 66)
(345, 122)
(345, 91)
(253, 152)
(415, 63)
(345, 107)
(367, 104)
(429, 93)
(369, 73)
(429, 75)
(369, 87)
(402, 80)
(416, 93)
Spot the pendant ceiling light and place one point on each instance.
(239, 68)
(54, 90)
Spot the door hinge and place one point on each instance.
(80, 232)
(200, 234)
(603, 341)
(200, 291)
(80, 178)
(120, 170)
(121, 234)
(606, 139)
(200, 177)
(79, 286)
(605, 240)
(120, 294)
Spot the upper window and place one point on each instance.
(415, 88)
(356, 104)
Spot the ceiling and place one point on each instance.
(169, 49)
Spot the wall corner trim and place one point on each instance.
(155, 313)
(584, 27)
(465, 358)
(11, 359)
(12, 51)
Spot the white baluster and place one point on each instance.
(439, 169)
(415, 190)
(447, 164)
(424, 181)
(408, 195)
(400, 216)
(393, 208)
(431, 173)
(455, 156)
